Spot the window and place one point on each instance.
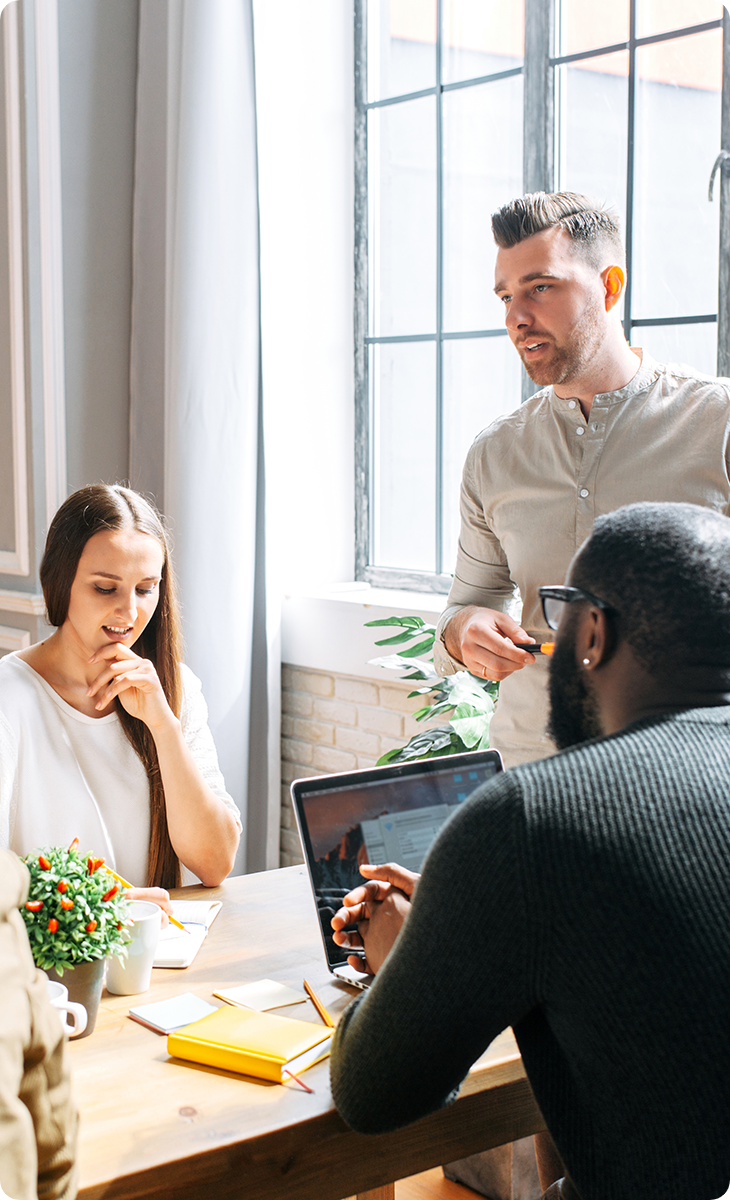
(461, 105)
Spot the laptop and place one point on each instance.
(383, 814)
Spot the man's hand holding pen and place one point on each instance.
(377, 909)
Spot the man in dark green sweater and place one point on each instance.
(583, 899)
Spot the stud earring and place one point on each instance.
(586, 662)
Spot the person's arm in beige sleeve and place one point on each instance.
(476, 631)
(37, 1116)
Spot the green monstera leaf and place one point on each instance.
(471, 700)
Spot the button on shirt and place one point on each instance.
(534, 483)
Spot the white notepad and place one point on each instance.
(165, 1016)
(261, 995)
(177, 948)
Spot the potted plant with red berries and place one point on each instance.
(75, 916)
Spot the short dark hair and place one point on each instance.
(665, 568)
(593, 227)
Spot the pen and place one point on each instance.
(125, 884)
(319, 1006)
(535, 647)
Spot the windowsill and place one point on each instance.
(325, 630)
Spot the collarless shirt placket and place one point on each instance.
(591, 435)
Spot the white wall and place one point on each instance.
(328, 631)
(304, 85)
(73, 118)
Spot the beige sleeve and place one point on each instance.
(37, 1116)
(482, 573)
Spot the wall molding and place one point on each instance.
(16, 561)
(13, 639)
(51, 252)
(31, 604)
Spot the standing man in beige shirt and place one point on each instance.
(610, 426)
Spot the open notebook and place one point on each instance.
(177, 948)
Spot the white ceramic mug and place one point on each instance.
(58, 996)
(131, 975)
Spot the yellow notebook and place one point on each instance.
(251, 1043)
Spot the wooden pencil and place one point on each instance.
(124, 883)
(318, 1005)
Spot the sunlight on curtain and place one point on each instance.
(197, 436)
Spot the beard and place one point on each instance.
(573, 709)
(568, 361)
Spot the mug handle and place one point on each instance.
(80, 1018)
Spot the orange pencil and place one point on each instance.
(319, 1006)
(124, 883)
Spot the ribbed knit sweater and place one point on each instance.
(584, 900)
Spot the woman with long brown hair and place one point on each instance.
(103, 730)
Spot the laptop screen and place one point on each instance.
(387, 814)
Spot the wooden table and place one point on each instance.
(153, 1127)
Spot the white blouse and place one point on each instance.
(65, 775)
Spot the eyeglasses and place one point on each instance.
(554, 597)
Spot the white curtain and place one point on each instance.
(197, 430)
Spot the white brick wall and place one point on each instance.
(334, 723)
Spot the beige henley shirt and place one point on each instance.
(535, 481)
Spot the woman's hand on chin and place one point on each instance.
(155, 895)
(134, 680)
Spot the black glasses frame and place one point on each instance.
(568, 595)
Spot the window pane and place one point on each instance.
(482, 135)
(659, 16)
(690, 62)
(677, 138)
(585, 25)
(402, 197)
(404, 443)
(481, 37)
(594, 96)
(401, 47)
(695, 345)
(482, 378)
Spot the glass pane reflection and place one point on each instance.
(595, 95)
(585, 25)
(481, 37)
(660, 16)
(401, 47)
(482, 131)
(402, 194)
(694, 345)
(404, 444)
(482, 380)
(677, 136)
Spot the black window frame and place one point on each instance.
(539, 66)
